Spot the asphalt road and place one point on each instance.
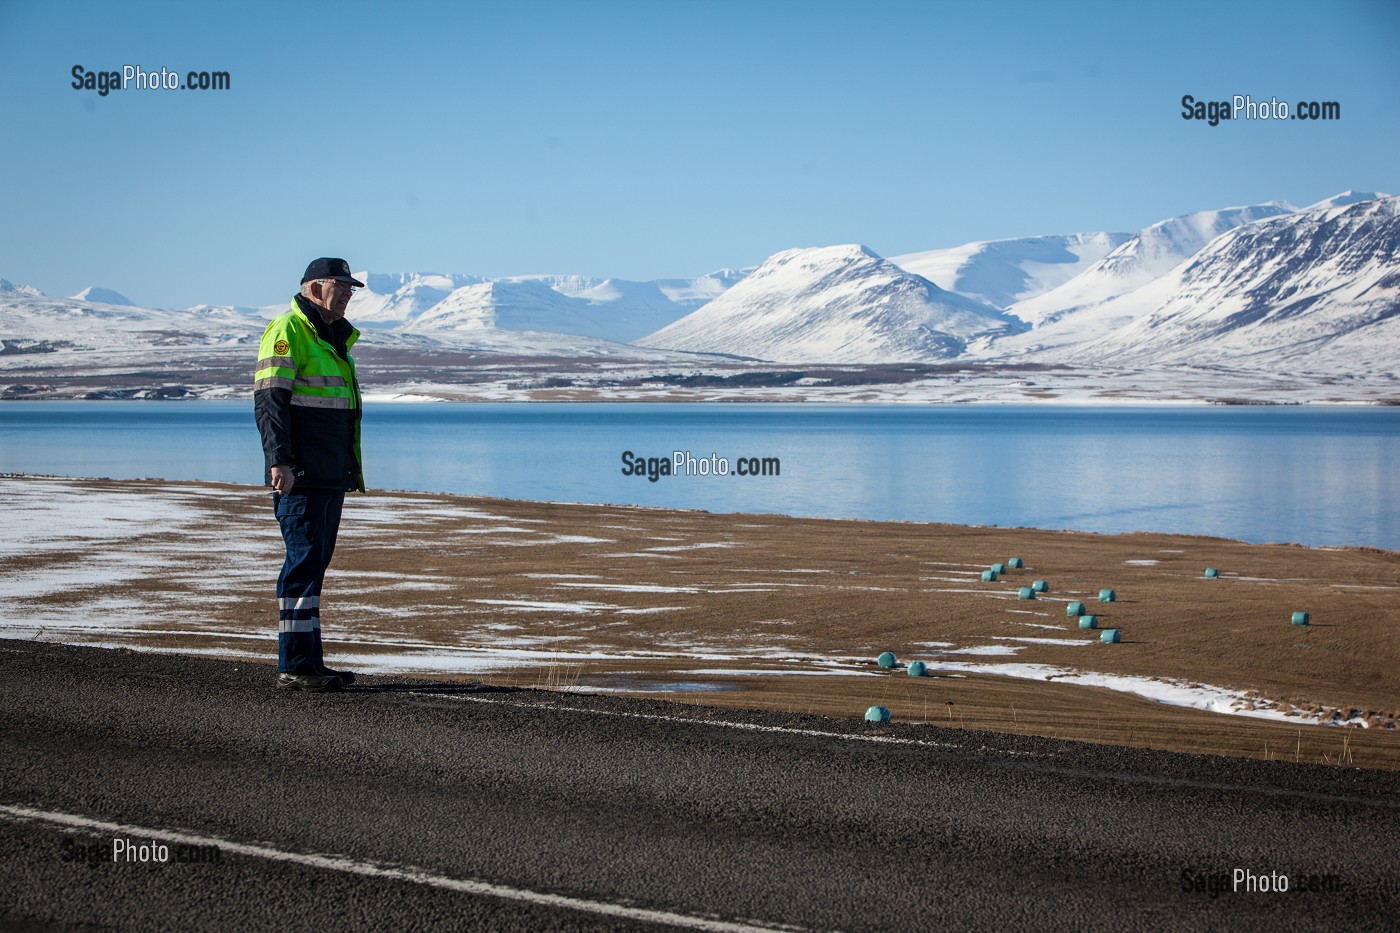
(408, 806)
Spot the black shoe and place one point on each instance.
(346, 677)
(313, 683)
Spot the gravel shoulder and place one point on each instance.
(749, 611)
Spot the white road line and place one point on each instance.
(745, 726)
(411, 874)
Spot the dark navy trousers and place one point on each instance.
(310, 519)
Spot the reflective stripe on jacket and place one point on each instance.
(307, 402)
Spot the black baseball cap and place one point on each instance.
(326, 268)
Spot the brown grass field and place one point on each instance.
(758, 611)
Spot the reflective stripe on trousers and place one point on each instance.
(310, 520)
(299, 625)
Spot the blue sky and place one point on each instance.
(650, 139)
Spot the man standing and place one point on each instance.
(306, 401)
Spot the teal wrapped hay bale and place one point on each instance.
(1015, 563)
(1040, 586)
(1107, 596)
(1088, 621)
(1301, 618)
(877, 714)
(999, 568)
(1025, 592)
(886, 659)
(1074, 609)
(989, 576)
(1109, 636)
(1212, 573)
(917, 669)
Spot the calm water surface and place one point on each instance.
(1320, 476)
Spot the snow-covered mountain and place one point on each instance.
(692, 293)
(570, 285)
(1152, 252)
(88, 338)
(392, 298)
(1268, 287)
(1346, 198)
(630, 310)
(612, 310)
(1003, 272)
(104, 296)
(609, 309)
(32, 322)
(23, 291)
(1318, 289)
(507, 305)
(835, 304)
(553, 315)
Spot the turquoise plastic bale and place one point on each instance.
(988, 576)
(1040, 586)
(1109, 636)
(917, 669)
(877, 714)
(1074, 609)
(1212, 573)
(887, 659)
(999, 568)
(1088, 621)
(1015, 563)
(1301, 618)
(1025, 592)
(1107, 596)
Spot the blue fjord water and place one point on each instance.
(1314, 475)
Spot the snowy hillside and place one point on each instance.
(1151, 253)
(1003, 272)
(836, 304)
(1319, 289)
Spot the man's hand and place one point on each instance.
(282, 478)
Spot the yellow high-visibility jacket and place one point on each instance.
(306, 400)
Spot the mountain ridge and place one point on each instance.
(1296, 289)
(1003, 272)
(834, 304)
(1176, 293)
